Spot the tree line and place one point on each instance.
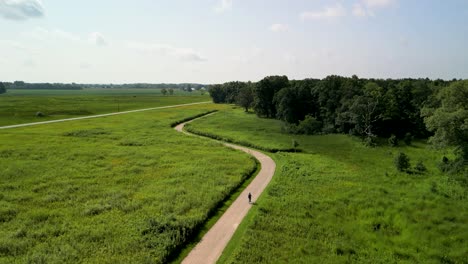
(21, 85)
(368, 108)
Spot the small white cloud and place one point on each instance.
(98, 39)
(372, 4)
(335, 11)
(359, 11)
(182, 54)
(367, 8)
(21, 9)
(279, 28)
(223, 5)
(42, 34)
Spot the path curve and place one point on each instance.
(209, 249)
(101, 115)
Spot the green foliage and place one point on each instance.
(294, 144)
(294, 103)
(308, 126)
(449, 120)
(245, 97)
(393, 141)
(164, 91)
(2, 88)
(420, 168)
(402, 162)
(370, 141)
(120, 189)
(338, 202)
(408, 139)
(264, 93)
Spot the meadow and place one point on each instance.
(120, 189)
(338, 201)
(21, 106)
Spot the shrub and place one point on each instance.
(393, 141)
(420, 168)
(40, 114)
(309, 126)
(370, 141)
(295, 144)
(408, 139)
(402, 162)
(445, 164)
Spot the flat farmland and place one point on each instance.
(22, 106)
(125, 189)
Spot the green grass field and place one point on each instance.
(21, 106)
(340, 202)
(120, 189)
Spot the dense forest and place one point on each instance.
(400, 109)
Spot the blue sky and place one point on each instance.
(211, 41)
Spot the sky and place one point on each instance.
(215, 41)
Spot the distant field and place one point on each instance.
(98, 91)
(120, 189)
(340, 202)
(21, 106)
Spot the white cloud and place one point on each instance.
(42, 34)
(223, 5)
(328, 13)
(21, 9)
(13, 44)
(372, 4)
(182, 54)
(279, 27)
(359, 10)
(367, 8)
(98, 39)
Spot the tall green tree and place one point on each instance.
(449, 120)
(264, 93)
(245, 97)
(2, 88)
(217, 93)
(365, 110)
(295, 102)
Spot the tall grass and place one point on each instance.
(126, 189)
(339, 201)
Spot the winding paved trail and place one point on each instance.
(96, 116)
(209, 249)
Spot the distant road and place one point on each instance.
(96, 116)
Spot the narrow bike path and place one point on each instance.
(209, 249)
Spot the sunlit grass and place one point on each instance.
(339, 201)
(126, 189)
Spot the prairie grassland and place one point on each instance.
(121, 189)
(21, 106)
(340, 202)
